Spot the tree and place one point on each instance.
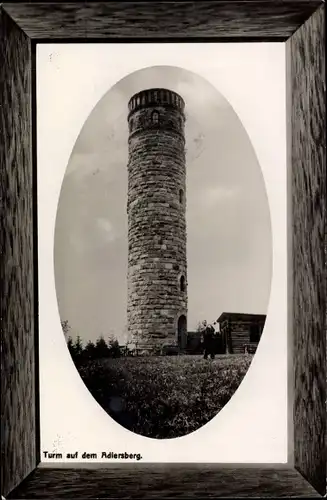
(101, 348)
(130, 348)
(201, 325)
(114, 348)
(65, 327)
(71, 346)
(126, 336)
(78, 346)
(90, 350)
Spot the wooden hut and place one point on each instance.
(241, 332)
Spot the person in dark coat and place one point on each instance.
(208, 341)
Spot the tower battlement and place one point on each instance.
(156, 97)
(156, 110)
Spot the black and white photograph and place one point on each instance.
(163, 252)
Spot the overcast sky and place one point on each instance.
(229, 244)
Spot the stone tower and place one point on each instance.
(156, 207)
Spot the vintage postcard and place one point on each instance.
(162, 252)
(164, 212)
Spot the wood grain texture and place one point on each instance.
(163, 481)
(307, 80)
(218, 19)
(17, 315)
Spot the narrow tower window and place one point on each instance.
(181, 196)
(155, 117)
(182, 283)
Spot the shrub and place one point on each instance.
(165, 397)
(170, 350)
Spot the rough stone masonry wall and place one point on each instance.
(156, 225)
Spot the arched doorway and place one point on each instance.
(182, 331)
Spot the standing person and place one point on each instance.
(208, 341)
(204, 339)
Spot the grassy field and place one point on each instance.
(167, 396)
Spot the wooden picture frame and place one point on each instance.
(298, 23)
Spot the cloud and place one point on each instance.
(82, 167)
(213, 195)
(223, 186)
(200, 94)
(77, 243)
(107, 229)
